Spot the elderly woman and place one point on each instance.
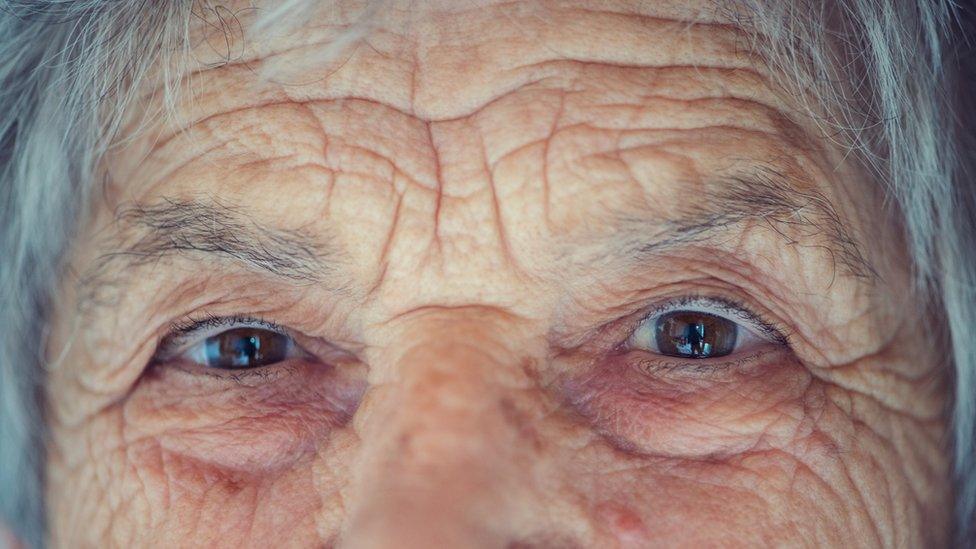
(486, 274)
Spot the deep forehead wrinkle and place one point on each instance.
(791, 205)
(798, 212)
(512, 41)
(562, 78)
(630, 106)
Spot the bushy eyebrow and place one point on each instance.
(212, 229)
(801, 216)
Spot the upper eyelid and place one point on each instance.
(181, 336)
(720, 307)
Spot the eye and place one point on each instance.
(700, 328)
(229, 344)
(242, 348)
(694, 335)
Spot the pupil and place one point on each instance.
(694, 340)
(695, 335)
(247, 347)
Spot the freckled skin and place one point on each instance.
(470, 167)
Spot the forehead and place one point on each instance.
(663, 67)
(501, 128)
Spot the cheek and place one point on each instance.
(187, 457)
(248, 426)
(695, 409)
(764, 455)
(668, 502)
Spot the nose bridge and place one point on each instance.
(440, 460)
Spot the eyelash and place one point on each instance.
(721, 306)
(191, 327)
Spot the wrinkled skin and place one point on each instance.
(477, 181)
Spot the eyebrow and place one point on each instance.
(213, 229)
(800, 216)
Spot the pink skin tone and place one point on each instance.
(478, 178)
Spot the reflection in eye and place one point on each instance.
(694, 335)
(241, 348)
(229, 343)
(692, 328)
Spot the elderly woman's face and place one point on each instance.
(501, 276)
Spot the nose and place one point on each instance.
(445, 460)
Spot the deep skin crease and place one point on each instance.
(472, 183)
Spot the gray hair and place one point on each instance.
(887, 71)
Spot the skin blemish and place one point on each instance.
(623, 522)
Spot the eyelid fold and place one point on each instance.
(723, 307)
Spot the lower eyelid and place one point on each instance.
(261, 375)
(244, 423)
(690, 409)
(712, 368)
